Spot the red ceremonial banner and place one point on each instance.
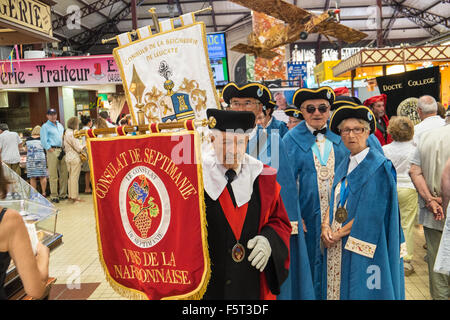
(150, 213)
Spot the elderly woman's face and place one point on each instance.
(354, 135)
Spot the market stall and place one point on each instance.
(383, 61)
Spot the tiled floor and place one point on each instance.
(417, 285)
(76, 261)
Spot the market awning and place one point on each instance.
(390, 56)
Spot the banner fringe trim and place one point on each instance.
(134, 294)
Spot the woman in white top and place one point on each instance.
(86, 121)
(400, 152)
(73, 148)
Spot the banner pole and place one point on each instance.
(146, 127)
(155, 18)
(141, 121)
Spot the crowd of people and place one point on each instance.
(353, 183)
(53, 155)
(329, 187)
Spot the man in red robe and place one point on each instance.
(378, 106)
(248, 227)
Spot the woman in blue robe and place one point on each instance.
(340, 101)
(268, 147)
(362, 235)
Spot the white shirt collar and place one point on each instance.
(214, 179)
(431, 118)
(357, 159)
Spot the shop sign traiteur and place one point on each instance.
(29, 14)
(56, 72)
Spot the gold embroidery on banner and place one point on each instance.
(182, 103)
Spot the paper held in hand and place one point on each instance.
(31, 228)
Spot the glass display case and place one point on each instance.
(35, 209)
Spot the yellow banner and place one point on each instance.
(27, 13)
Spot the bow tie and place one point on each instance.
(322, 131)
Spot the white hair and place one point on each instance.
(362, 122)
(427, 104)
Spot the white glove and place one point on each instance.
(261, 252)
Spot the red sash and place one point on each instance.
(235, 215)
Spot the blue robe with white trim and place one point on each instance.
(298, 285)
(299, 141)
(278, 125)
(371, 263)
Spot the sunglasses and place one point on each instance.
(311, 109)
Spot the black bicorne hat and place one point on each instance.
(294, 112)
(345, 100)
(303, 94)
(251, 90)
(232, 120)
(350, 111)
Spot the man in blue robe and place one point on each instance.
(270, 122)
(267, 146)
(314, 151)
(362, 235)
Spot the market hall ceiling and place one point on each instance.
(82, 24)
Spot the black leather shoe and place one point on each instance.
(55, 200)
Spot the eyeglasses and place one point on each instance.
(245, 104)
(311, 108)
(356, 131)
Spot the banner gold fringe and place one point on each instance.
(133, 294)
(204, 286)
